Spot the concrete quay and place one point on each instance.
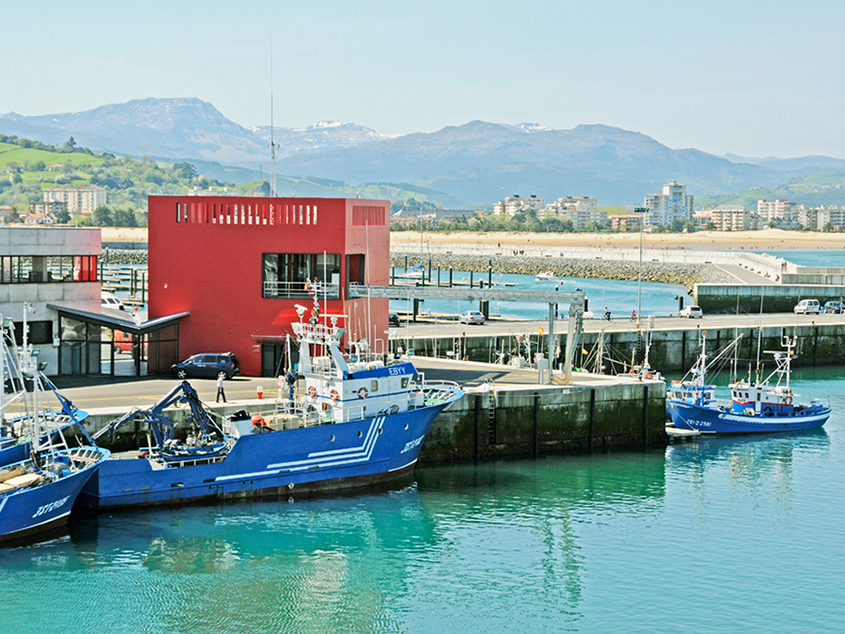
(504, 413)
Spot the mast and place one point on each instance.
(272, 139)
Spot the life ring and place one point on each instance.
(788, 400)
(362, 393)
(333, 394)
(649, 375)
(312, 391)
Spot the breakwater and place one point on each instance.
(124, 256)
(686, 274)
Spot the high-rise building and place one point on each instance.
(672, 204)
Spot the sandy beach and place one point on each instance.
(764, 240)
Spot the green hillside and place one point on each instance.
(823, 188)
(28, 167)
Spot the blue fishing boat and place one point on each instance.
(360, 421)
(766, 406)
(38, 491)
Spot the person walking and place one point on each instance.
(220, 392)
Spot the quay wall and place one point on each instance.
(773, 298)
(671, 350)
(523, 422)
(501, 422)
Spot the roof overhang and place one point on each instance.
(116, 323)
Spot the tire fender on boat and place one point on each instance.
(362, 393)
(767, 411)
(312, 391)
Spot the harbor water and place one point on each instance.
(710, 535)
(619, 296)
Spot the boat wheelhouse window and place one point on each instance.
(374, 385)
(404, 382)
(758, 397)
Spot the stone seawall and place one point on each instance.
(124, 256)
(684, 274)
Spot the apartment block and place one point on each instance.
(673, 203)
(79, 199)
(515, 204)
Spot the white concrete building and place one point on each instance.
(515, 204)
(775, 210)
(734, 218)
(580, 210)
(49, 265)
(79, 199)
(672, 204)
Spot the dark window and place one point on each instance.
(290, 275)
(40, 332)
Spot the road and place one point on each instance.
(506, 327)
(94, 393)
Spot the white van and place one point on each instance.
(807, 307)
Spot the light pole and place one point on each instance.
(642, 211)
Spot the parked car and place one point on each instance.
(807, 307)
(691, 312)
(836, 307)
(472, 317)
(393, 319)
(207, 366)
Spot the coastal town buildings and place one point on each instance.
(776, 211)
(582, 211)
(734, 218)
(516, 204)
(79, 199)
(673, 203)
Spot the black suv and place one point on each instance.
(393, 319)
(207, 366)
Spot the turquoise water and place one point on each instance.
(619, 296)
(715, 535)
(814, 257)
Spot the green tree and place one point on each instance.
(63, 216)
(102, 217)
(70, 144)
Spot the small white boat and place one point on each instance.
(546, 276)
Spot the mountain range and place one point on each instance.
(474, 164)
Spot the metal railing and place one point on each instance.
(298, 290)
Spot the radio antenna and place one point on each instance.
(272, 139)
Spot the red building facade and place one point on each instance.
(240, 266)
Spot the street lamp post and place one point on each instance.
(642, 212)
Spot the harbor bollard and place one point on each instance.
(260, 392)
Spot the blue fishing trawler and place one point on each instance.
(40, 475)
(766, 406)
(360, 421)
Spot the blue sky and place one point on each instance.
(749, 77)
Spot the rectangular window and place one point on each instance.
(288, 275)
(40, 332)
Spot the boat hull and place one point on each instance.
(309, 460)
(709, 420)
(32, 511)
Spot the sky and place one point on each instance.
(748, 77)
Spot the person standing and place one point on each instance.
(220, 392)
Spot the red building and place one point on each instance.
(240, 266)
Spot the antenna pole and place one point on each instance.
(272, 138)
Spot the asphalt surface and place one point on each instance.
(91, 393)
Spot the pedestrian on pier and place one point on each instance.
(220, 392)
